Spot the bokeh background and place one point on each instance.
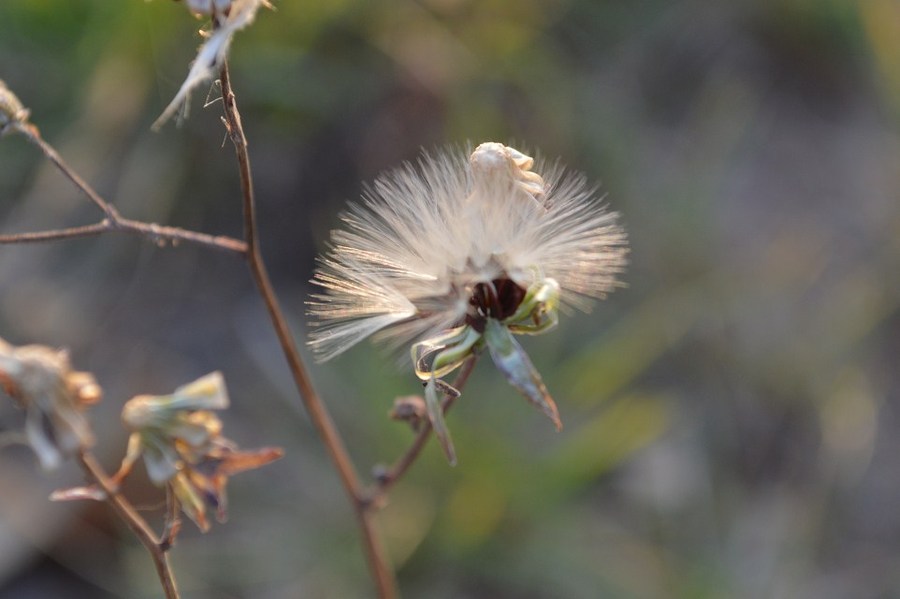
(731, 416)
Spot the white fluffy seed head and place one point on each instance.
(412, 252)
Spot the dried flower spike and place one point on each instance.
(460, 254)
(181, 442)
(42, 382)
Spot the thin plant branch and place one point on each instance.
(380, 569)
(387, 479)
(57, 234)
(113, 221)
(365, 501)
(33, 134)
(160, 234)
(135, 522)
(173, 521)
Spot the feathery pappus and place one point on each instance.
(459, 253)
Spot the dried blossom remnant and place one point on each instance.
(228, 17)
(460, 253)
(411, 409)
(12, 111)
(54, 396)
(182, 445)
(209, 7)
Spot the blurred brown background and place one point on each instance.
(731, 417)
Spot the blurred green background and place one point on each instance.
(731, 416)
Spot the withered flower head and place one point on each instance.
(42, 382)
(228, 17)
(461, 253)
(181, 442)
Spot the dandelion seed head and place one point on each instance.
(455, 238)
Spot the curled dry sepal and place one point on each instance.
(228, 17)
(41, 380)
(183, 448)
(460, 253)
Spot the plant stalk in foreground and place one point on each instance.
(381, 571)
(135, 522)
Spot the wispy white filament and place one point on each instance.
(424, 236)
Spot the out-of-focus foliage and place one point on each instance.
(731, 422)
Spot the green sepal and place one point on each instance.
(441, 355)
(434, 393)
(513, 362)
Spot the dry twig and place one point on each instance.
(382, 573)
(135, 522)
(113, 221)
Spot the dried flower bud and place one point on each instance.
(11, 109)
(411, 409)
(494, 164)
(84, 388)
(180, 440)
(53, 396)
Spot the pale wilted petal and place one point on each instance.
(45, 446)
(206, 393)
(190, 501)
(161, 458)
(161, 412)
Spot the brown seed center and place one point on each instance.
(497, 299)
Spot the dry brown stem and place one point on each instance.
(381, 571)
(365, 501)
(389, 478)
(135, 522)
(113, 221)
